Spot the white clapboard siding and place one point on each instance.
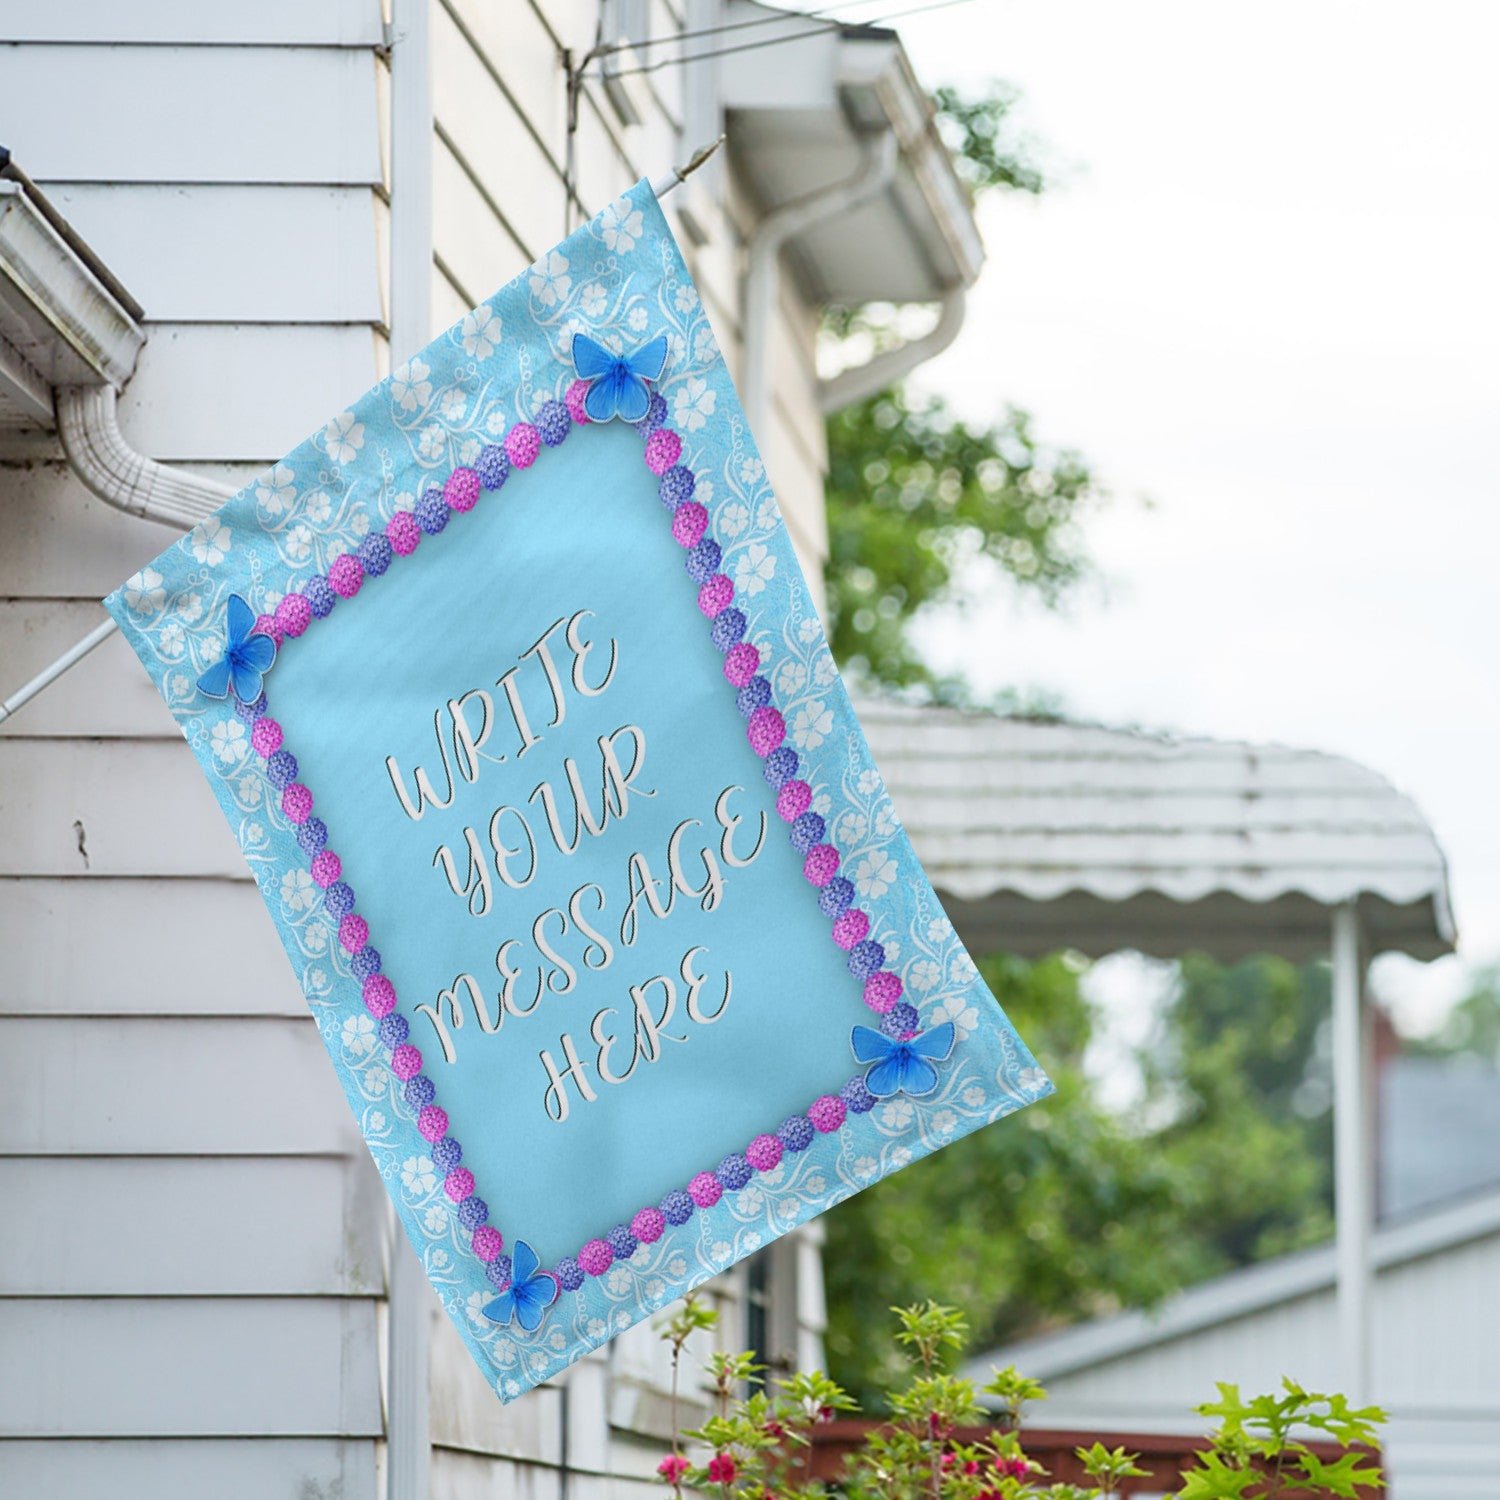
(523, 52)
(168, 1216)
(192, 114)
(61, 542)
(163, 1468)
(480, 252)
(470, 1476)
(159, 1086)
(322, 23)
(242, 391)
(498, 144)
(189, 1366)
(241, 253)
(106, 694)
(97, 809)
(104, 947)
(466, 1414)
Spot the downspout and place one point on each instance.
(98, 453)
(408, 1426)
(762, 265)
(884, 370)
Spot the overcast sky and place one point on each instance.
(1264, 294)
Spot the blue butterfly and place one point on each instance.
(246, 660)
(617, 382)
(902, 1067)
(530, 1291)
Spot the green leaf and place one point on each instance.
(1216, 1480)
(1344, 1477)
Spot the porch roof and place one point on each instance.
(1041, 835)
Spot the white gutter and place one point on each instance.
(763, 269)
(862, 381)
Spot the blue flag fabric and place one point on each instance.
(525, 722)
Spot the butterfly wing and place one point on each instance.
(918, 1076)
(533, 1299)
(635, 399)
(503, 1308)
(214, 683)
(523, 1263)
(244, 679)
(888, 1076)
(871, 1046)
(591, 359)
(935, 1044)
(602, 400)
(257, 651)
(647, 361)
(241, 620)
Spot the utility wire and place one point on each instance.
(781, 17)
(776, 41)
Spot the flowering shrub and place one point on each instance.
(942, 1441)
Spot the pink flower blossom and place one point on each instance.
(673, 1467)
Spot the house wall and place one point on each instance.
(222, 1312)
(1436, 1353)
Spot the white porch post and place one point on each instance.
(1352, 1167)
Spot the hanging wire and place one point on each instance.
(818, 13)
(576, 72)
(774, 41)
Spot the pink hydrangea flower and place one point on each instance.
(403, 533)
(689, 522)
(293, 614)
(766, 730)
(851, 928)
(648, 1225)
(265, 738)
(345, 575)
(462, 490)
(705, 1190)
(663, 449)
(741, 663)
(793, 800)
(596, 1257)
(573, 399)
(522, 444)
(882, 989)
(764, 1153)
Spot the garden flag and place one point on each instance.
(514, 696)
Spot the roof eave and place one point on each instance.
(909, 112)
(802, 109)
(1242, 1293)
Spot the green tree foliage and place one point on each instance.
(1250, 1094)
(921, 503)
(978, 130)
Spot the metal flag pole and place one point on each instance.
(23, 695)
